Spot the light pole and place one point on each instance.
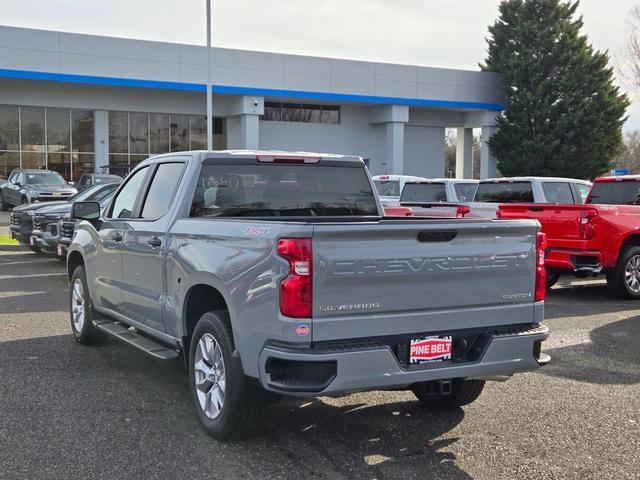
(209, 86)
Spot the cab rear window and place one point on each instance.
(271, 190)
(505, 192)
(387, 188)
(615, 193)
(423, 193)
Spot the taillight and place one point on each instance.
(462, 211)
(587, 229)
(296, 287)
(541, 272)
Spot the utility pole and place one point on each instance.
(209, 86)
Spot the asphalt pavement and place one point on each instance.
(107, 412)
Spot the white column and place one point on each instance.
(250, 131)
(100, 139)
(488, 163)
(464, 153)
(395, 147)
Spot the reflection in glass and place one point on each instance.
(118, 131)
(159, 132)
(82, 130)
(330, 114)
(9, 135)
(32, 119)
(310, 114)
(58, 130)
(82, 163)
(33, 159)
(8, 162)
(179, 130)
(61, 163)
(119, 165)
(198, 133)
(138, 133)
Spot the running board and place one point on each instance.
(135, 340)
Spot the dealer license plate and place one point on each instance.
(32, 241)
(60, 254)
(430, 349)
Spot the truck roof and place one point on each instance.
(533, 178)
(267, 154)
(446, 180)
(618, 178)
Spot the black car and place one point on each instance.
(90, 179)
(30, 186)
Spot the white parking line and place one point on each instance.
(25, 262)
(18, 294)
(34, 275)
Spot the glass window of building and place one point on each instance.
(118, 132)
(82, 132)
(293, 112)
(139, 133)
(179, 132)
(39, 137)
(9, 128)
(32, 129)
(198, 132)
(158, 133)
(330, 114)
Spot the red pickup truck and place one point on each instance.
(601, 236)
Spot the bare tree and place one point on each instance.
(629, 66)
(629, 158)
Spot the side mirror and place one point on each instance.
(86, 211)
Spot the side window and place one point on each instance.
(583, 191)
(163, 187)
(20, 179)
(125, 201)
(558, 192)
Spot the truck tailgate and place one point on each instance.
(411, 276)
(561, 223)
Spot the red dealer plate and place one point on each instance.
(429, 349)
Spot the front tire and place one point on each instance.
(226, 402)
(81, 312)
(624, 279)
(463, 392)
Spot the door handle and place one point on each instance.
(117, 237)
(154, 242)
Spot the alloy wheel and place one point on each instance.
(210, 376)
(78, 305)
(632, 274)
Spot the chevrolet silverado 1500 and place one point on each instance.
(275, 273)
(601, 236)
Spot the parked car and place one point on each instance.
(602, 236)
(390, 187)
(272, 274)
(90, 179)
(29, 186)
(21, 221)
(495, 191)
(45, 233)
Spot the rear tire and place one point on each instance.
(227, 402)
(81, 311)
(552, 277)
(624, 279)
(463, 392)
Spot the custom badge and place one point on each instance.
(256, 230)
(303, 330)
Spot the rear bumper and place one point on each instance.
(574, 260)
(372, 367)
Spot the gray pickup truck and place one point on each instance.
(276, 273)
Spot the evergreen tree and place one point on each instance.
(563, 114)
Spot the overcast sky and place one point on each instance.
(441, 33)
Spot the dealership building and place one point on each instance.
(83, 103)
